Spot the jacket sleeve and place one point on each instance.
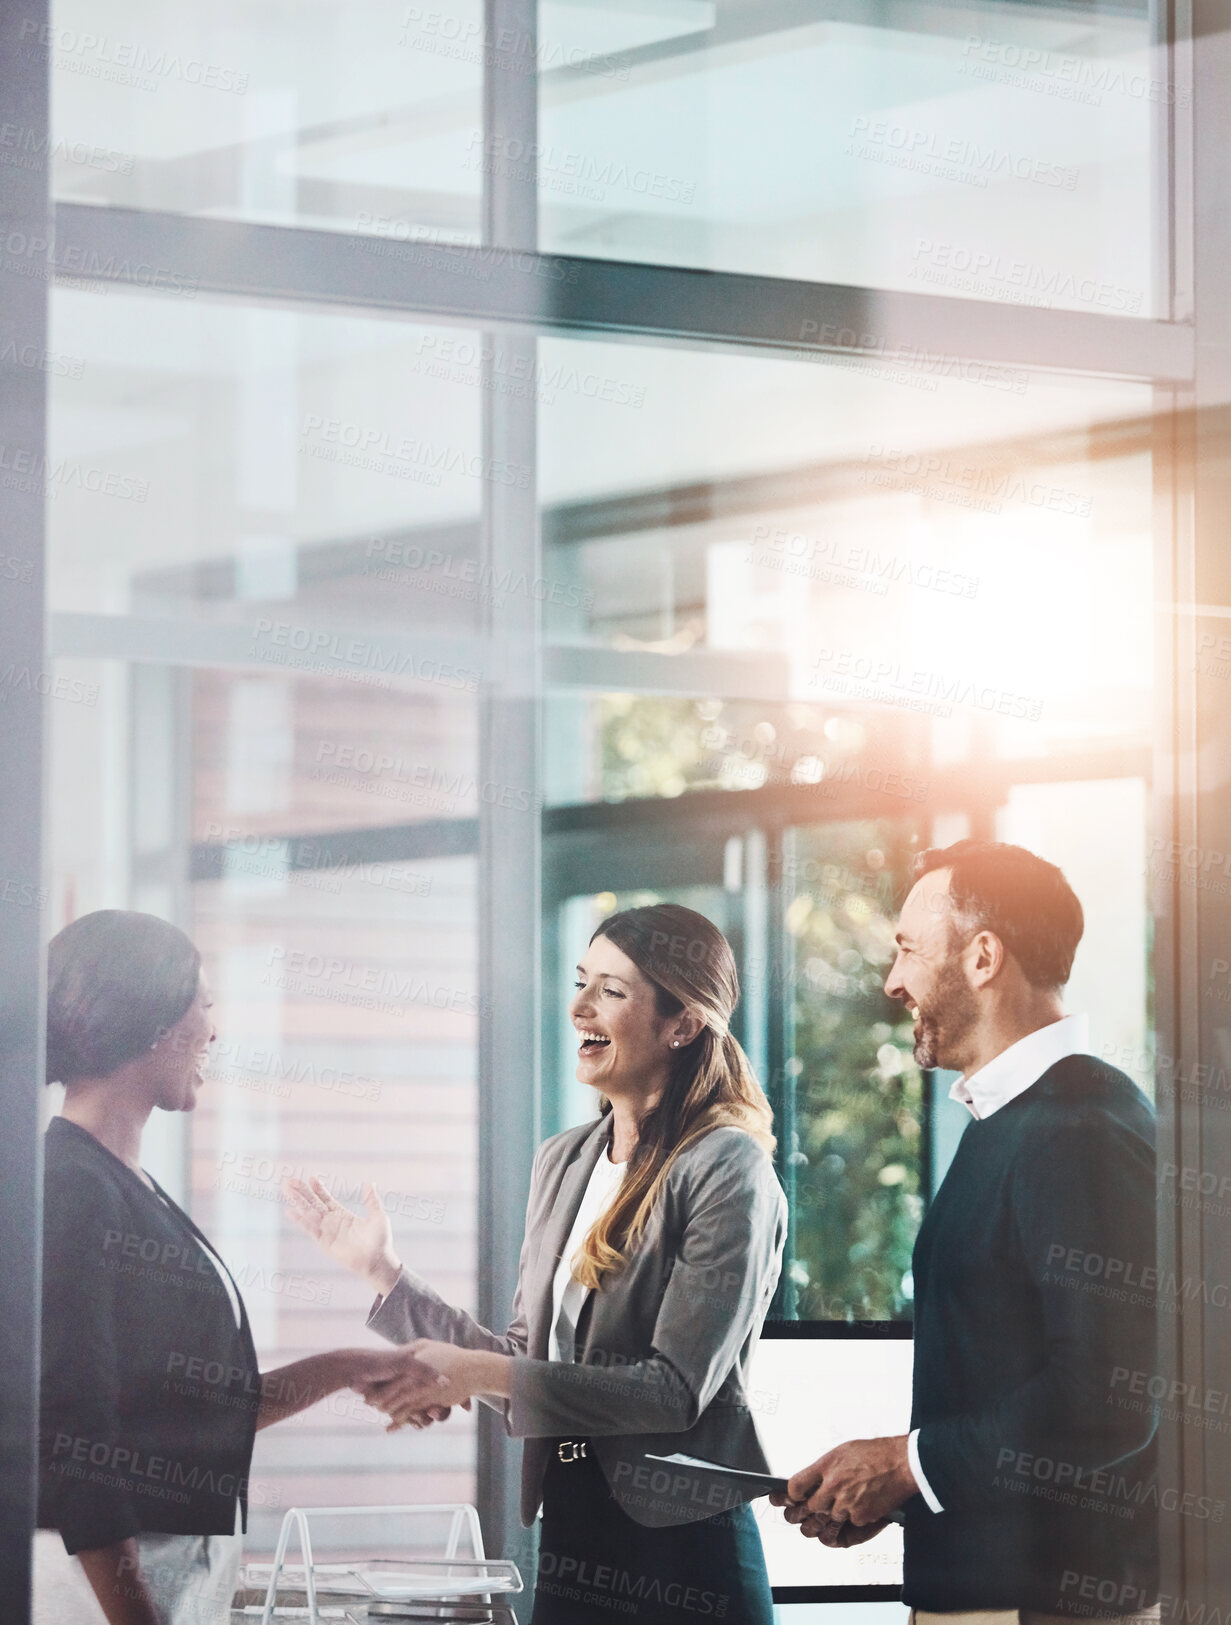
(82, 1450)
(722, 1277)
(415, 1309)
(1082, 1201)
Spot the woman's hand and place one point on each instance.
(363, 1242)
(436, 1373)
(370, 1367)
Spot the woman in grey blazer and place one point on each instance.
(652, 1249)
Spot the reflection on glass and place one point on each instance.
(264, 594)
(856, 1157)
(973, 152)
(856, 617)
(360, 119)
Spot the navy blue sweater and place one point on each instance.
(1035, 1301)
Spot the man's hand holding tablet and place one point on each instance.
(851, 1493)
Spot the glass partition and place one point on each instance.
(853, 617)
(974, 151)
(265, 728)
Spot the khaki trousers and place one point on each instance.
(1025, 1616)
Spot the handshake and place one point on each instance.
(415, 1385)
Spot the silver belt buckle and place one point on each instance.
(576, 1449)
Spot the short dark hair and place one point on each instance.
(1021, 897)
(116, 980)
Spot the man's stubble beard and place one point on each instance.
(952, 1014)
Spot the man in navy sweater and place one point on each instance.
(1027, 1482)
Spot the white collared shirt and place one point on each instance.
(568, 1295)
(1020, 1067)
(983, 1093)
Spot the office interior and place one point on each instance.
(469, 468)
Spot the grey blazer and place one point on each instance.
(663, 1363)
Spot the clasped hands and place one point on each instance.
(847, 1495)
(431, 1378)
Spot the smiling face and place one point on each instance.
(929, 974)
(624, 1045)
(178, 1058)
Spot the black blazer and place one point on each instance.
(1036, 1299)
(150, 1391)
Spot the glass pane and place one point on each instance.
(969, 564)
(817, 619)
(361, 119)
(996, 154)
(855, 1163)
(264, 727)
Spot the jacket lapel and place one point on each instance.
(554, 1232)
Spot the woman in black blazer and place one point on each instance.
(151, 1393)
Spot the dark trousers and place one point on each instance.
(597, 1563)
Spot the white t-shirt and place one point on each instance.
(568, 1295)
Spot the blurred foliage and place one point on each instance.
(664, 747)
(859, 1094)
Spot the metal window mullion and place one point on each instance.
(25, 227)
(1198, 1264)
(510, 729)
(517, 289)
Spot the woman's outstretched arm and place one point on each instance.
(361, 1242)
(408, 1308)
